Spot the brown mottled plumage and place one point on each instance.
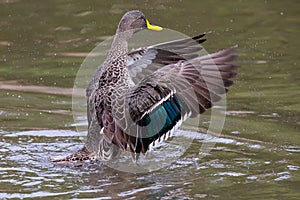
(133, 91)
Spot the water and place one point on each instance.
(257, 156)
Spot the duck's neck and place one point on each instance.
(119, 46)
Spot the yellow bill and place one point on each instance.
(153, 27)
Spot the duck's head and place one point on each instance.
(134, 21)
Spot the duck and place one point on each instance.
(139, 97)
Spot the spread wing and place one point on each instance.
(158, 104)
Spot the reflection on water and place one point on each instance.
(43, 45)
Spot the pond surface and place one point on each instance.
(42, 46)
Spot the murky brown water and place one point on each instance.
(42, 46)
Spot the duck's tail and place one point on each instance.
(79, 156)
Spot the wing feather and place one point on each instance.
(165, 97)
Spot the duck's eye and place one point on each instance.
(138, 23)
